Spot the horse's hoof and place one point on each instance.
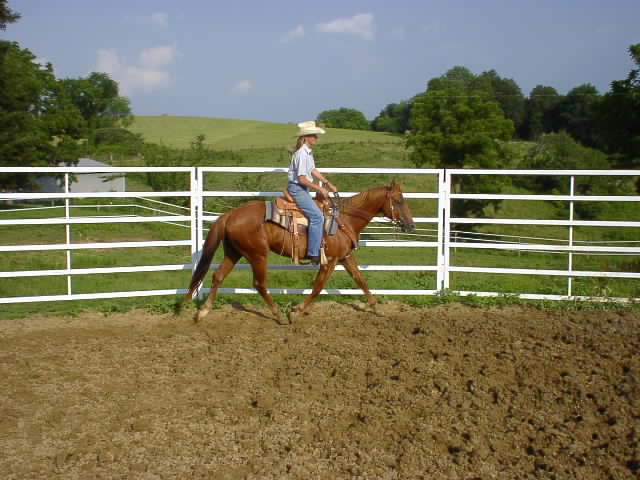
(200, 314)
(291, 316)
(281, 319)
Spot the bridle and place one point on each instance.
(354, 211)
(394, 220)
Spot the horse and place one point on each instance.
(244, 232)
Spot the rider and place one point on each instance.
(302, 172)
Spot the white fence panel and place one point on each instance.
(67, 220)
(443, 237)
(571, 248)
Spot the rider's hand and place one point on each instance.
(323, 192)
(332, 187)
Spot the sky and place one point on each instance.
(287, 61)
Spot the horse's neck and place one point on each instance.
(362, 208)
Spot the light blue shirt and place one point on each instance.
(302, 163)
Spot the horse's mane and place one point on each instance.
(357, 201)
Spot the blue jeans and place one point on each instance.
(316, 220)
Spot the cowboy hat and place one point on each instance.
(309, 128)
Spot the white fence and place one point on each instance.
(442, 237)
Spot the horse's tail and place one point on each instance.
(211, 244)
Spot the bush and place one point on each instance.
(559, 151)
(344, 118)
(116, 136)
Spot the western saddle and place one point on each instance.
(285, 212)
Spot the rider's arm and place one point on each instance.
(316, 173)
(303, 180)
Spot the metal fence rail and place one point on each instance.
(444, 238)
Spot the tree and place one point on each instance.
(97, 97)
(39, 125)
(576, 114)
(455, 127)
(395, 118)
(456, 77)
(540, 111)
(507, 93)
(344, 118)
(7, 15)
(618, 117)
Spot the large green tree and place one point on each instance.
(39, 125)
(507, 93)
(98, 99)
(456, 126)
(344, 118)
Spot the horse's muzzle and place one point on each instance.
(408, 227)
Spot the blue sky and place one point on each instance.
(289, 60)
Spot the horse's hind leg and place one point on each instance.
(259, 267)
(351, 265)
(229, 261)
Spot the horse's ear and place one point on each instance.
(395, 186)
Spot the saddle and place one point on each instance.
(283, 211)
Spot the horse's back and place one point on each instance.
(247, 217)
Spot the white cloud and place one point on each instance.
(145, 76)
(297, 32)
(242, 87)
(160, 19)
(362, 24)
(157, 56)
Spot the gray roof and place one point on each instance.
(90, 162)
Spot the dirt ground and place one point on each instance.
(446, 392)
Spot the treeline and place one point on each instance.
(461, 108)
(46, 121)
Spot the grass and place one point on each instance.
(278, 279)
(229, 134)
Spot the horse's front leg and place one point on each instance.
(351, 265)
(259, 267)
(321, 279)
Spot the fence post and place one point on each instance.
(571, 193)
(67, 215)
(193, 209)
(197, 217)
(444, 229)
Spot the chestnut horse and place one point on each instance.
(244, 233)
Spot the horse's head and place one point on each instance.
(395, 207)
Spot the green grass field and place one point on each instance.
(229, 134)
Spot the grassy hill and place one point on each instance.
(230, 134)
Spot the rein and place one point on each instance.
(394, 218)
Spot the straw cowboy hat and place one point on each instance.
(309, 128)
